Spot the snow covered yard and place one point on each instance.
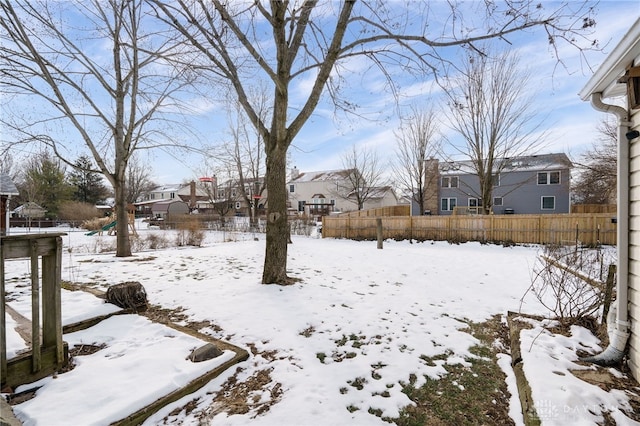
(337, 347)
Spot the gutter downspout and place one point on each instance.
(619, 332)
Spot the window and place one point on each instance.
(233, 193)
(548, 178)
(497, 201)
(301, 205)
(448, 204)
(475, 202)
(172, 195)
(496, 179)
(238, 205)
(221, 193)
(449, 182)
(292, 188)
(548, 203)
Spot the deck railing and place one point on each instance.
(48, 352)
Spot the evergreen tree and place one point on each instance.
(44, 182)
(87, 183)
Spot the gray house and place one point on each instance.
(535, 184)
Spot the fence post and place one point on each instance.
(608, 292)
(379, 231)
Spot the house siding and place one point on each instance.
(634, 247)
(519, 190)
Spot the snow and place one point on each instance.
(359, 316)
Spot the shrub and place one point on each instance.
(190, 232)
(96, 223)
(78, 211)
(558, 285)
(155, 241)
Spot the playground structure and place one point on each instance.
(110, 227)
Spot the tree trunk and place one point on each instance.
(123, 246)
(275, 260)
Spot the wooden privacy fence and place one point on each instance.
(401, 210)
(586, 229)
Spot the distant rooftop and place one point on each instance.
(523, 163)
(7, 187)
(320, 176)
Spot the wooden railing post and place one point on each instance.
(35, 309)
(3, 321)
(48, 350)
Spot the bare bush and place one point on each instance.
(190, 232)
(563, 282)
(78, 211)
(96, 223)
(155, 241)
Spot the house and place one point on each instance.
(7, 189)
(163, 192)
(379, 197)
(615, 89)
(324, 192)
(534, 184)
(29, 210)
(191, 194)
(243, 199)
(318, 193)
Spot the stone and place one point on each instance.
(204, 353)
(128, 295)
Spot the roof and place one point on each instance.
(324, 175)
(163, 206)
(7, 187)
(511, 164)
(173, 187)
(604, 80)
(29, 205)
(144, 203)
(377, 192)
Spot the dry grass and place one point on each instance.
(475, 395)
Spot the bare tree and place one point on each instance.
(139, 179)
(246, 149)
(227, 193)
(313, 42)
(108, 95)
(418, 142)
(364, 177)
(597, 177)
(6, 162)
(491, 110)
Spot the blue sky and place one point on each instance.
(569, 121)
(328, 135)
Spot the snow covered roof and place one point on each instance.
(144, 203)
(173, 187)
(513, 164)
(323, 175)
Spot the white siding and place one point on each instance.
(634, 251)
